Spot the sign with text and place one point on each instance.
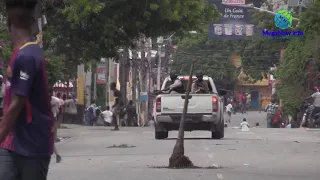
(234, 2)
(235, 22)
(101, 74)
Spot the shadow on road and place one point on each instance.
(189, 139)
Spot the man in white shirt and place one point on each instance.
(229, 112)
(244, 126)
(316, 102)
(107, 116)
(55, 105)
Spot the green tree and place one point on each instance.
(210, 56)
(92, 29)
(296, 73)
(54, 68)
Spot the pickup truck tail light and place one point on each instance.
(158, 104)
(214, 104)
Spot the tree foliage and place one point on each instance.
(259, 54)
(211, 56)
(299, 70)
(88, 30)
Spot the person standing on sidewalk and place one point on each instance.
(26, 128)
(55, 104)
(131, 113)
(271, 110)
(117, 107)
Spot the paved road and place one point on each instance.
(252, 118)
(261, 154)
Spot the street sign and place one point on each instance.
(144, 96)
(235, 23)
(101, 74)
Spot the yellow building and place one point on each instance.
(257, 89)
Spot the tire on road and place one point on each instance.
(219, 133)
(161, 134)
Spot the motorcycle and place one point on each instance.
(307, 114)
(314, 122)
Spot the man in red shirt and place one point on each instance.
(26, 128)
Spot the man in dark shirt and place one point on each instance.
(26, 128)
(117, 107)
(131, 113)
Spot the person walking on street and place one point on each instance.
(271, 110)
(26, 128)
(118, 105)
(229, 112)
(92, 112)
(55, 104)
(243, 103)
(61, 107)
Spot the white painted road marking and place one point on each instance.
(210, 155)
(219, 176)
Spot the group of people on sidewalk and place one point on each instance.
(116, 114)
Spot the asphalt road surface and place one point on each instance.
(260, 154)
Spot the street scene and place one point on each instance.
(260, 153)
(170, 90)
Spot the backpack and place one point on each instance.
(276, 119)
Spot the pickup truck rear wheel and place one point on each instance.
(161, 134)
(219, 133)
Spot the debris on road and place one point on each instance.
(214, 166)
(121, 146)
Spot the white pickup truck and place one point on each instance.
(205, 111)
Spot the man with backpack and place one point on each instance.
(271, 110)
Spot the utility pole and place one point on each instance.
(95, 86)
(159, 41)
(300, 6)
(107, 64)
(143, 83)
(134, 74)
(88, 84)
(80, 93)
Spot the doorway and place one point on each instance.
(254, 99)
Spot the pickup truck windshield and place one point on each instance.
(185, 84)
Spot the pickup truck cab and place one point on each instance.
(205, 111)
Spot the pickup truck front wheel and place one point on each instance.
(161, 134)
(219, 133)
